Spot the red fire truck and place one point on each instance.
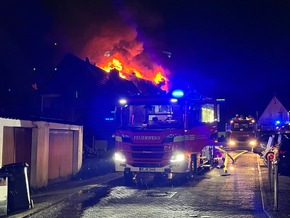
(241, 133)
(165, 135)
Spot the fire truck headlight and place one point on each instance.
(253, 142)
(119, 157)
(232, 143)
(123, 101)
(177, 157)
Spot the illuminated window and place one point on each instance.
(207, 115)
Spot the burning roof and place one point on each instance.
(118, 47)
(81, 75)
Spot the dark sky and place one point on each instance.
(237, 50)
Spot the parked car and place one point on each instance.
(284, 157)
(263, 140)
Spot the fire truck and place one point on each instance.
(166, 135)
(241, 133)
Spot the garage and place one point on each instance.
(60, 155)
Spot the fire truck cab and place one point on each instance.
(164, 134)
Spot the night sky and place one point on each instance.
(237, 50)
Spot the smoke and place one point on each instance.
(117, 40)
(113, 38)
(104, 30)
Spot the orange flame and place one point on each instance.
(126, 71)
(159, 78)
(113, 64)
(116, 64)
(116, 46)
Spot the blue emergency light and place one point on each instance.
(178, 93)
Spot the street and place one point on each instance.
(211, 193)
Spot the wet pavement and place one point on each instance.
(282, 208)
(96, 173)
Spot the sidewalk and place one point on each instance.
(268, 194)
(58, 192)
(94, 173)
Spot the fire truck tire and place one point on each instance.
(128, 178)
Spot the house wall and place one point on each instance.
(38, 144)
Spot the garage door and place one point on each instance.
(16, 145)
(60, 155)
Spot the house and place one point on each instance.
(73, 109)
(79, 92)
(274, 114)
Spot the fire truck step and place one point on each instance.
(206, 166)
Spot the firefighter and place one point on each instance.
(237, 117)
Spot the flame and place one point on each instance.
(113, 64)
(116, 46)
(126, 72)
(116, 64)
(159, 78)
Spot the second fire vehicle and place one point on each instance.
(241, 133)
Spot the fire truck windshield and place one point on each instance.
(153, 116)
(242, 126)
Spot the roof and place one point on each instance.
(274, 111)
(75, 74)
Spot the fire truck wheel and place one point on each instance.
(128, 177)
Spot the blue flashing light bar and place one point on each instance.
(178, 93)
